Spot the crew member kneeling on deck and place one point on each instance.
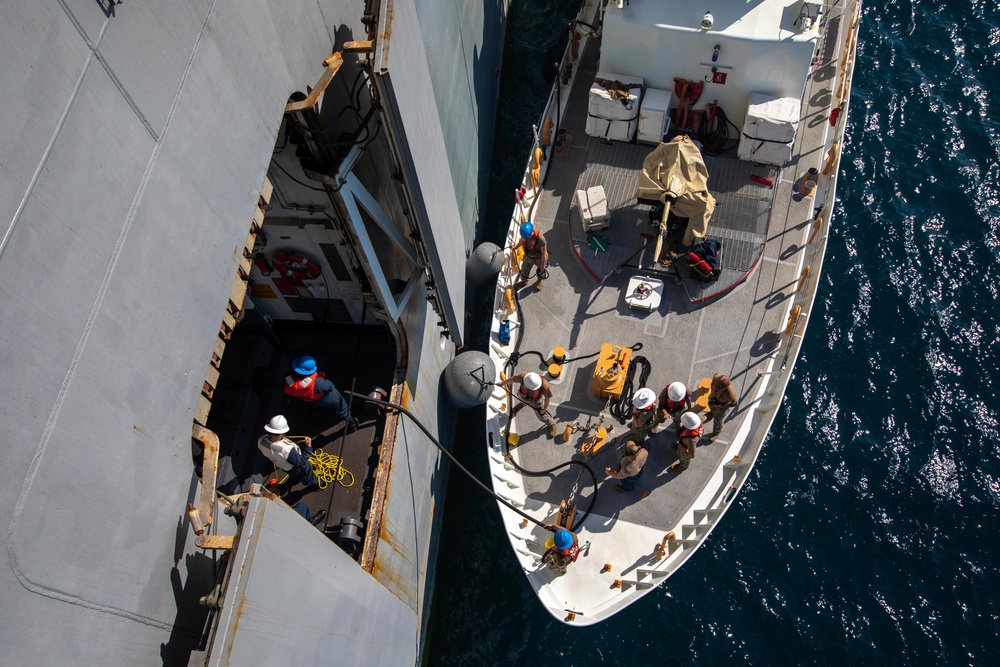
(285, 454)
(630, 469)
(536, 252)
(674, 400)
(643, 414)
(310, 385)
(534, 391)
(687, 441)
(565, 549)
(721, 399)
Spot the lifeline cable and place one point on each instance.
(506, 445)
(437, 443)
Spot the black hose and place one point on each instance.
(716, 141)
(634, 348)
(506, 445)
(515, 357)
(622, 409)
(444, 451)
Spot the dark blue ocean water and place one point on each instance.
(868, 532)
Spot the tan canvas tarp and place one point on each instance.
(677, 169)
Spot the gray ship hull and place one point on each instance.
(136, 139)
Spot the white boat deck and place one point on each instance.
(733, 326)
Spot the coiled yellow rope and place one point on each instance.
(328, 469)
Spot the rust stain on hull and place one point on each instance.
(382, 474)
(396, 571)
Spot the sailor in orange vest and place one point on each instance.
(687, 441)
(534, 391)
(674, 400)
(565, 549)
(308, 384)
(643, 414)
(536, 251)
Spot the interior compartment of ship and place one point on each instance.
(309, 291)
(251, 391)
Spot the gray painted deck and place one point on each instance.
(734, 334)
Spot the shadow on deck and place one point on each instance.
(250, 392)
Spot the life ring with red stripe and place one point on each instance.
(295, 265)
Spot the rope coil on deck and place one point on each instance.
(329, 469)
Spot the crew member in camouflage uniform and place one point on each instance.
(643, 414)
(536, 252)
(630, 468)
(721, 399)
(673, 401)
(692, 430)
(535, 392)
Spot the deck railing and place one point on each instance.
(711, 506)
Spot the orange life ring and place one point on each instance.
(296, 266)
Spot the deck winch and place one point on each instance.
(611, 370)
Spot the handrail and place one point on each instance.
(332, 65)
(209, 471)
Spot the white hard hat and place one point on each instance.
(643, 398)
(533, 381)
(278, 425)
(676, 391)
(690, 420)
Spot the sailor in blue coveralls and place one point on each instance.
(309, 384)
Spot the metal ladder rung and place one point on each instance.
(499, 460)
(512, 501)
(510, 484)
(651, 573)
(533, 557)
(699, 529)
(711, 514)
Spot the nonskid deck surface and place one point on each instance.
(778, 235)
(731, 336)
(735, 335)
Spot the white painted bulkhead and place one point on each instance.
(662, 40)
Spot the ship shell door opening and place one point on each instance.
(329, 267)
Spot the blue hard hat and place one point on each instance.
(563, 539)
(526, 230)
(304, 365)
